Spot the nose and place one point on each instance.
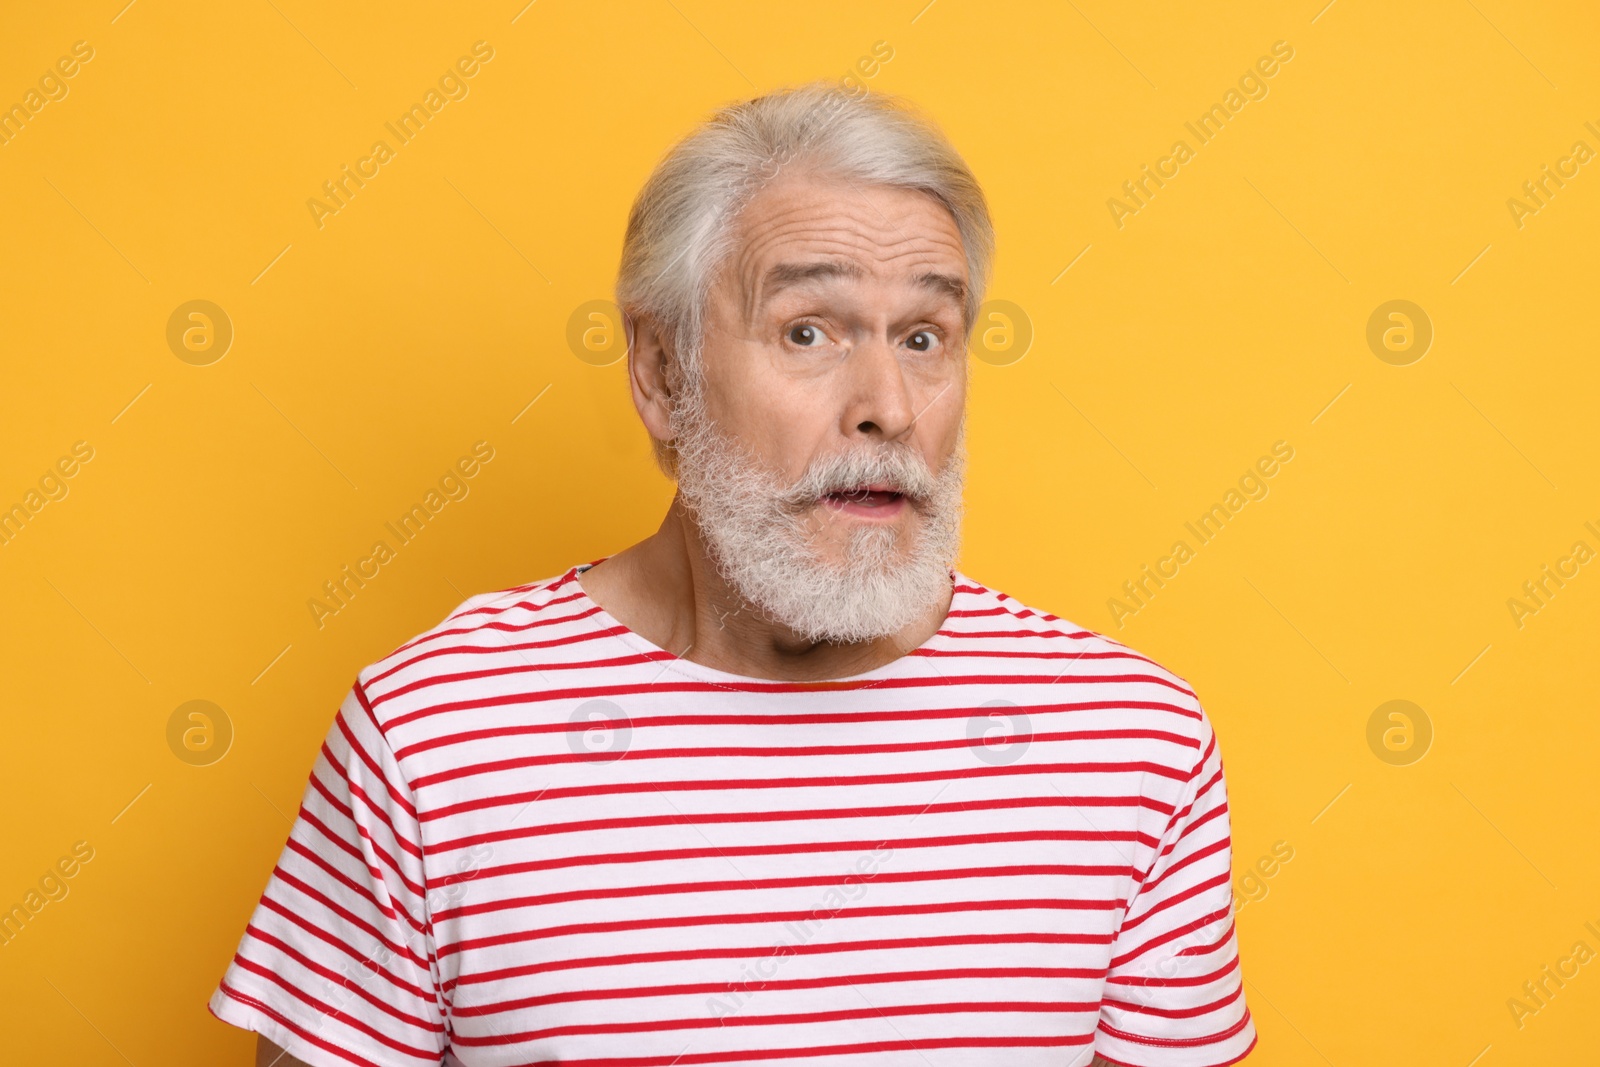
(878, 400)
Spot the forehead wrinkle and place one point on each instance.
(780, 218)
(815, 272)
(877, 251)
(870, 224)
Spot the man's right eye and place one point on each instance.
(806, 336)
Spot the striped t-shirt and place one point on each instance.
(534, 837)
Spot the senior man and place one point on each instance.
(777, 783)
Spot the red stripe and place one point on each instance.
(747, 951)
(678, 922)
(581, 726)
(999, 653)
(460, 1011)
(1220, 1063)
(1065, 635)
(815, 1051)
(746, 884)
(1153, 980)
(1183, 1042)
(570, 726)
(342, 980)
(1201, 950)
(431, 680)
(300, 1032)
(659, 686)
(331, 1012)
(354, 791)
(379, 813)
(700, 785)
(712, 1022)
(506, 646)
(364, 891)
(361, 753)
(306, 815)
(322, 935)
(775, 752)
(311, 819)
(724, 818)
(1185, 836)
(795, 848)
(547, 586)
(631, 659)
(1171, 935)
(348, 916)
(1178, 898)
(1219, 845)
(564, 726)
(485, 609)
(1179, 1013)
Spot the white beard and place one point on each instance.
(756, 530)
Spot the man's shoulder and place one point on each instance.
(990, 622)
(499, 633)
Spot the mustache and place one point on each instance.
(901, 468)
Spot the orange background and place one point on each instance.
(1167, 354)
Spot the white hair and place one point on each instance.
(681, 227)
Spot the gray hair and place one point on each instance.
(681, 227)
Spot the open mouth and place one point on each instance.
(874, 500)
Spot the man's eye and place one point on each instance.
(805, 336)
(922, 341)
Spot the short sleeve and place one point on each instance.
(1174, 996)
(337, 963)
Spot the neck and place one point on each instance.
(667, 589)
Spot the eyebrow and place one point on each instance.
(784, 275)
(945, 283)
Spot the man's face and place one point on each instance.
(821, 447)
(837, 327)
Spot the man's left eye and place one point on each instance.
(922, 341)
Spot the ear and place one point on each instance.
(648, 356)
